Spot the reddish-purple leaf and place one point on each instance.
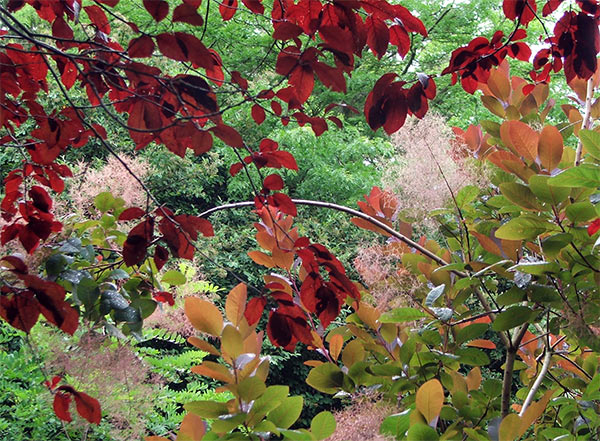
(227, 9)
(273, 182)
(87, 407)
(187, 13)
(158, 9)
(141, 47)
(258, 114)
(132, 213)
(61, 406)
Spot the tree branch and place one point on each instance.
(586, 118)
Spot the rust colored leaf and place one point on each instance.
(235, 305)
(550, 147)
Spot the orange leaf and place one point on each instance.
(480, 343)
(203, 345)
(214, 370)
(335, 346)
(192, 428)
(520, 138)
(204, 316)
(550, 147)
(235, 305)
(262, 259)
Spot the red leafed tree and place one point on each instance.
(123, 78)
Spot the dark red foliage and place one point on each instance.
(137, 242)
(164, 297)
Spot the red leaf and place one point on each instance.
(20, 310)
(254, 5)
(258, 114)
(98, 18)
(60, 29)
(88, 407)
(16, 264)
(336, 121)
(53, 383)
(594, 227)
(137, 242)
(61, 406)
(164, 297)
(378, 36)
(284, 203)
(228, 135)
(286, 31)
(141, 47)
(237, 78)
(132, 213)
(254, 309)
(400, 38)
(273, 182)
(41, 199)
(525, 9)
(158, 9)
(202, 142)
(187, 14)
(235, 168)
(51, 299)
(173, 47)
(227, 9)
(160, 256)
(276, 108)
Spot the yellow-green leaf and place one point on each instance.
(509, 428)
(430, 399)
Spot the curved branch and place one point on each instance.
(401, 237)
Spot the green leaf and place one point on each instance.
(396, 425)
(510, 297)
(296, 435)
(401, 315)
(128, 315)
(521, 195)
(511, 318)
(581, 212)
(591, 142)
(540, 187)
(327, 378)
(323, 425)
(207, 409)
(536, 268)
(88, 292)
(523, 228)
(286, 414)
(118, 274)
(145, 306)
(56, 264)
(104, 201)
(466, 194)
(473, 357)
(585, 175)
(471, 332)
(173, 277)
(420, 432)
(434, 294)
(552, 245)
(251, 388)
